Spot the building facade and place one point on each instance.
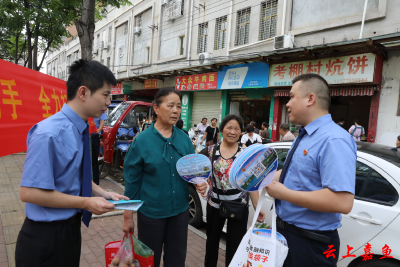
(150, 44)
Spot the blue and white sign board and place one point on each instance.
(194, 168)
(251, 75)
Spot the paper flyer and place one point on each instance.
(194, 168)
(127, 204)
(254, 168)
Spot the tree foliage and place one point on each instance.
(29, 27)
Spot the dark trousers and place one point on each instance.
(172, 232)
(42, 244)
(310, 253)
(95, 157)
(234, 235)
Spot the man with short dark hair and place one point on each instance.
(285, 133)
(256, 130)
(179, 125)
(317, 182)
(265, 131)
(56, 183)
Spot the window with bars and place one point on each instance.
(126, 29)
(202, 38)
(69, 60)
(108, 62)
(139, 21)
(181, 45)
(109, 34)
(268, 18)
(220, 33)
(98, 42)
(174, 9)
(243, 26)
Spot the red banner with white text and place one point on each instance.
(26, 98)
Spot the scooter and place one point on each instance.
(119, 131)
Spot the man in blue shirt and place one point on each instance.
(317, 182)
(56, 181)
(99, 122)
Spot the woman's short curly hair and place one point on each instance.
(230, 117)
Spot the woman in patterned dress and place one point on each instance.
(226, 152)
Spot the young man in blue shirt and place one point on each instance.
(317, 182)
(99, 122)
(56, 181)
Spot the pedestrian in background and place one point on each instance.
(357, 130)
(317, 182)
(202, 127)
(150, 175)
(341, 122)
(256, 130)
(285, 133)
(225, 153)
(56, 183)
(397, 148)
(265, 131)
(179, 125)
(250, 137)
(211, 133)
(95, 137)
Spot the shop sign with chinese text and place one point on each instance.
(337, 70)
(251, 75)
(150, 84)
(118, 90)
(206, 81)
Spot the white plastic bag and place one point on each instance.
(258, 250)
(191, 133)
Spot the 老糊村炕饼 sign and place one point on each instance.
(337, 70)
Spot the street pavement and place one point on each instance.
(102, 230)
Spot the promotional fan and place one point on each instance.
(194, 168)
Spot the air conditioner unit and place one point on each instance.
(283, 41)
(205, 58)
(137, 30)
(105, 46)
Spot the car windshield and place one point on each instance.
(390, 154)
(116, 114)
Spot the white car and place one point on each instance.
(375, 217)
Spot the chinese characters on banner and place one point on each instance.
(339, 70)
(206, 81)
(26, 98)
(367, 252)
(118, 90)
(150, 84)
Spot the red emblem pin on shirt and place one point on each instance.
(305, 152)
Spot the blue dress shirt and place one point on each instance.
(54, 160)
(325, 158)
(97, 121)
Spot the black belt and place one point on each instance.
(73, 220)
(302, 232)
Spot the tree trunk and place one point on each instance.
(16, 48)
(35, 47)
(85, 27)
(28, 36)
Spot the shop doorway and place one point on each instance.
(253, 110)
(351, 108)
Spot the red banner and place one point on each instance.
(118, 90)
(206, 81)
(26, 98)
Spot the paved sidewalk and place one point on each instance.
(102, 229)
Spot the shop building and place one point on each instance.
(355, 82)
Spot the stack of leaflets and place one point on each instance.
(194, 168)
(254, 168)
(127, 204)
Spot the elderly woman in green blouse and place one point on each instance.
(150, 175)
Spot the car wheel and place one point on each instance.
(195, 212)
(104, 169)
(380, 263)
